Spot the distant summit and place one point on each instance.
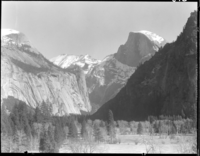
(10, 36)
(86, 62)
(140, 46)
(152, 36)
(5, 32)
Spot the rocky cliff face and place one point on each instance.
(28, 76)
(164, 85)
(106, 77)
(139, 47)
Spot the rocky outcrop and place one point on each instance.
(139, 47)
(164, 85)
(28, 76)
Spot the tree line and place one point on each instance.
(25, 128)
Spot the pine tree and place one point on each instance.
(111, 126)
(194, 117)
(6, 143)
(97, 133)
(15, 118)
(20, 141)
(30, 119)
(73, 133)
(23, 118)
(42, 142)
(83, 129)
(182, 113)
(102, 124)
(6, 123)
(174, 127)
(53, 147)
(150, 129)
(140, 128)
(46, 111)
(151, 119)
(160, 127)
(38, 115)
(59, 133)
(26, 127)
(111, 119)
(156, 126)
(45, 143)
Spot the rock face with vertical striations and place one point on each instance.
(164, 85)
(139, 47)
(106, 79)
(28, 76)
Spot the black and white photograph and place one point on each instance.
(99, 77)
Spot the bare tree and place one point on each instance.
(85, 146)
(149, 145)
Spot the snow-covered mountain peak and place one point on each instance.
(88, 59)
(86, 62)
(10, 36)
(139, 45)
(64, 60)
(87, 56)
(152, 36)
(8, 31)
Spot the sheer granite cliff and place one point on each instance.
(28, 76)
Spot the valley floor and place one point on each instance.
(146, 144)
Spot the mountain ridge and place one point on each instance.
(104, 78)
(163, 85)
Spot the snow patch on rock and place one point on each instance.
(152, 36)
(11, 36)
(86, 62)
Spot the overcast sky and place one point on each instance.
(94, 28)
